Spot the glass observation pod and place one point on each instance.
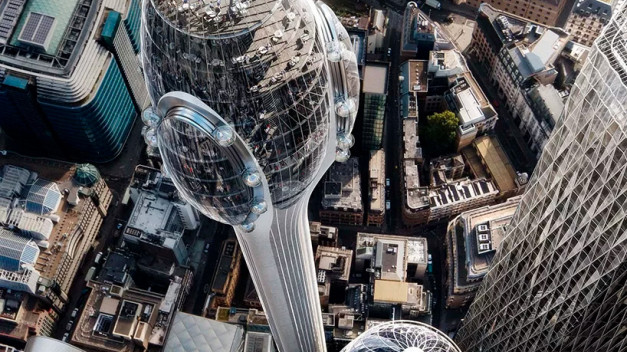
(252, 102)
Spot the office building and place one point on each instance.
(412, 298)
(460, 195)
(587, 20)
(445, 169)
(375, 91)
(418, 34)
(392, 258)
(414, 87)
(487, 159)
(547, 12)
(341, 202)
(158, 222)
(248, 114)
(537, 113)
(475, 113)
(322, 235)
(376, 31)
(50, 218)
(122, 319)
(521, 55)
(558, 279)
(376, 189)
(453, 87)
(415, 201)
(70, 79)
(226, 275)
(251, 319)
(472, 239)
(333, 266)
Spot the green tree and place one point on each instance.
(438, 137)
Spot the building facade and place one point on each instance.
(520, 57)
(73, 88)
(587, 19)
(548, 12)
(376, 189)
(558, 280)
(342, 203)
(472, 239)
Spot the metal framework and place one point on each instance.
(402, 336)
(558, 282)
(253, 100)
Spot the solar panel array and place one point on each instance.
(37, 29)
(9, 18)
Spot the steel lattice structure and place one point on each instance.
(558, 282)
(253, 100)
(400, 336)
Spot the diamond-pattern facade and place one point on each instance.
(559, 280)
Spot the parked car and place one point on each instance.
(68, 327)
(74, 313)
(387, 182)
(65, 337)
(207, 248)
(388, 205)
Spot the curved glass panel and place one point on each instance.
(208, 176)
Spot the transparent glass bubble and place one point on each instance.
(342, 109)
(150, 137)
(252, 178)
(224, 135)
(334, 51)
(342, 155)
(149, 118)
(248, 226)
(259, 207)
(345, 141)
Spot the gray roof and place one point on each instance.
(191, 333)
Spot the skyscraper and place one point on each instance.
(253, 100)
(558, 282)
(70, 82)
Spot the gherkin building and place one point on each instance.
(559, 280)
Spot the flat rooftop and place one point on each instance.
(376, 184)
(460, 191)
(417, 76)
(335, 260)
(411, 140)
(375, 79)
(153, 214)
(496, 162)
(95, 326)
(390, 291)
(342, 190)
(497, 218)
(60, 11)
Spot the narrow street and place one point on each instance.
(392, 131)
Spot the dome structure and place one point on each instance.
(402, 336)
(86, 175)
